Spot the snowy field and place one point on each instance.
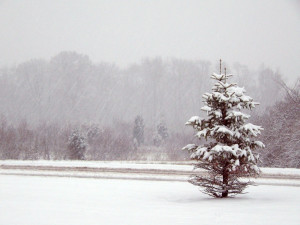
(62, 201)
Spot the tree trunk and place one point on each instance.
(225, 183)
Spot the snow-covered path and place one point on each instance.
(63, 201)
(135, 170)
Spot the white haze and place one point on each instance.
(123, 32)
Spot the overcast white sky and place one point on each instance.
(251, 32)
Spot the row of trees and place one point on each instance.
(282, 130)
(55, 97)
(124, 141)
(71, 89)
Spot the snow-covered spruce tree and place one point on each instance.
(162, 130)
(161, 133)
(77, 145)
(228, 156)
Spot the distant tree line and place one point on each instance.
(44, 102)
(71, 89)
(85, 142)
(282, 130)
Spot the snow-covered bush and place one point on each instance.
(227, 155)
(77, 145)
(161, 133)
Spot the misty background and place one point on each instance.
(123, 77)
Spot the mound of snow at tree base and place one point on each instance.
(63, 201)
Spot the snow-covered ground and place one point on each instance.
(63, 201)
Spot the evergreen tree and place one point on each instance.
(77, 145)
(161, 133)
(228, 156)
(138, 130)
(162, 130)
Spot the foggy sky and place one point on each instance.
(249, 32)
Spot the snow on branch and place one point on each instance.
(259, 144)
(252, 129)
(194, 121)
(220, 77)
(222, 129)
(238, 91)
(190, 147)
(206, 108)
(237, 115)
